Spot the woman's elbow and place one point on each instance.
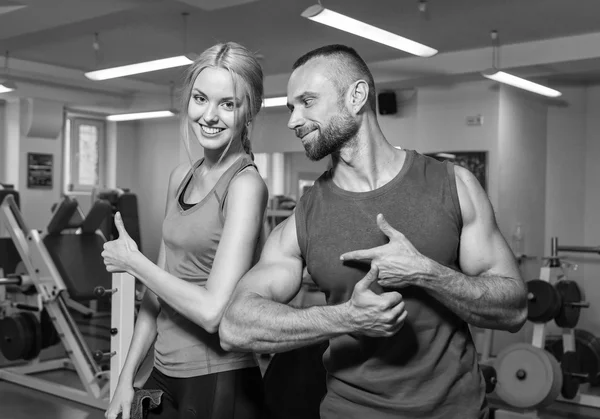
(212, 321)
(229, 336)
(211, 326)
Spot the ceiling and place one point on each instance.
(61, 32)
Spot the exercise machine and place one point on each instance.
(61, 267)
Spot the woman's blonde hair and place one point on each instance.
(247, 76)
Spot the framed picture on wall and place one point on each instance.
(39, 170)
(474, 161)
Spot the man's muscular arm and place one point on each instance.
(488, 293)
(258, 318)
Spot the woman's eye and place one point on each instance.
(199, 99)
(228, 105)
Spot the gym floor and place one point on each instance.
(22, 403)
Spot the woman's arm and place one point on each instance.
(144, 335)
(204, 305)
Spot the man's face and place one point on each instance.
(318, 112)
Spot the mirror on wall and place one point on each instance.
(287, 175)
(290, 173)
(475, 161)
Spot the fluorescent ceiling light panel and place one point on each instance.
(336, 20)
(145, 67)
(275, 101)
(8, 6)
(502, 77)
(7, 86)
(140, 115)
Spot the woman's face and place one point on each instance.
(211, 108)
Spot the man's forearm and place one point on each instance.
(255, 324)
(486, 301)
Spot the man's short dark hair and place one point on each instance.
(346, 68)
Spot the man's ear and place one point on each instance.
(358, 95)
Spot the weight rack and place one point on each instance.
(548, 274)
(568, 335)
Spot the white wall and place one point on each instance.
(401, 129)
(522, 167)
(127, 160)
(441, 123)
(35, 203)
(271, 134)
(521, 177)
(566, 171)
(591, 202)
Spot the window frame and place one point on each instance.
(71, 153)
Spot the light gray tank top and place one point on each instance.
(191, 236)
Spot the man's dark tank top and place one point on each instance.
(429, 369)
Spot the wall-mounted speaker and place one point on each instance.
(386, 101)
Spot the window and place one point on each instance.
(85, 142)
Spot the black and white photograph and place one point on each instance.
(299, 209)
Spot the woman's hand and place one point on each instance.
(121, 402)
(118, 254)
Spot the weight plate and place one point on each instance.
(554, 346)
(556, 384)
(591, 361)
(543, 302)
(33, 332)
(570, 364)
(568, 315)
(587, 347)
(527, 377)
(13, 339)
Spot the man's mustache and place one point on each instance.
(301, 132)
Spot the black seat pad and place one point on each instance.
(79, 261)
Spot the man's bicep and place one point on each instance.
(278, 274)
(483, 248)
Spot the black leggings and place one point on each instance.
(236, 394)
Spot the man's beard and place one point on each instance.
(340, 130)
